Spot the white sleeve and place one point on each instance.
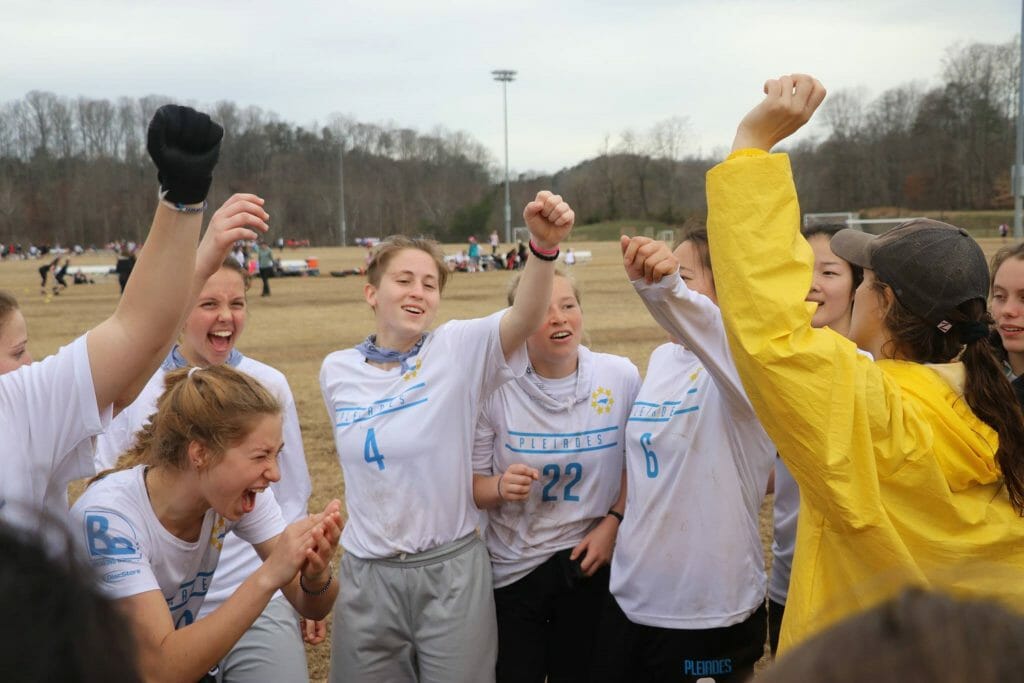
(696, 321)
(477, 343)
(483, 444)
(54, 402)
(263, 523)
(115, 549)
(295, 487)
(120, 433)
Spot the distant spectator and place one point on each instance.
(570, 258)
(266, 262)
(44, 274)
(494, 242)
(1004, 230)
(125, 264)
(474, 254)
(60, 283)
(520, 256)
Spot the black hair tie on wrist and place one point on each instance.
(972, 332)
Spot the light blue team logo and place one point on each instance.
(102, 543)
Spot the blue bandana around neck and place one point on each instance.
(370, 352)
(175, 360)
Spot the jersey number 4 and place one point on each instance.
(371, 453)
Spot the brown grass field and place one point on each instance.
(308, 317)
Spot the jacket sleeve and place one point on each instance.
(832, 413)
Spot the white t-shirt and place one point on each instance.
(48, 415)
(688, 554)
(575, 440)
(133, 553)
(238, 559)
(405, 440)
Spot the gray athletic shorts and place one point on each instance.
(425, 617)
(271, 651)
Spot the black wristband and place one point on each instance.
(541, 256)
(616, 515)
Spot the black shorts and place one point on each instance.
(632, 652)
(548, 622)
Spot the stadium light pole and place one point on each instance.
(1018, 169)
(506, 76)
(341, 188)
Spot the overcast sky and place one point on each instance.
(586, 69)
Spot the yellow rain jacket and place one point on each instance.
(898, 480)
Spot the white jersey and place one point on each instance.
(688, 554)
(405, 439)
(48, 416)
(575, 442)
(785, 511)
(133, 553)
(238, 559)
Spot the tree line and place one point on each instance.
(75, 170)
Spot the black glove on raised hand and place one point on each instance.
(184, 144)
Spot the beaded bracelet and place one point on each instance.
(330, 579)
(542, 254)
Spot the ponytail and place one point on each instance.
(215, 406)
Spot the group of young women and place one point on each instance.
(619, 538)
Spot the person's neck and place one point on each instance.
(176, 502)
(193, 358)
(1016, 361)
(555, 369)
(841, 326)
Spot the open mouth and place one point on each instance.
(560, 335)
(221, 340)
(415, 310)
(1010, 329)
(249, 499)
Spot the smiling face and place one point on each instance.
(229, 486)
(831, 287)
(1007, 307)
(13, 342)
(406, 300)
(554, 348)
(691, 268)
(217, 321)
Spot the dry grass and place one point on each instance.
(306, 318)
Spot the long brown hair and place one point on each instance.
(986, 389)
(216, 406)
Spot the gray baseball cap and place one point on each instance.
(931, 267)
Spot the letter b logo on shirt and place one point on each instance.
(102, 543)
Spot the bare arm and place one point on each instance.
(125, 349)
(550, 220)
(308, 543)
(187, 653)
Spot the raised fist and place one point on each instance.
(184, 144)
